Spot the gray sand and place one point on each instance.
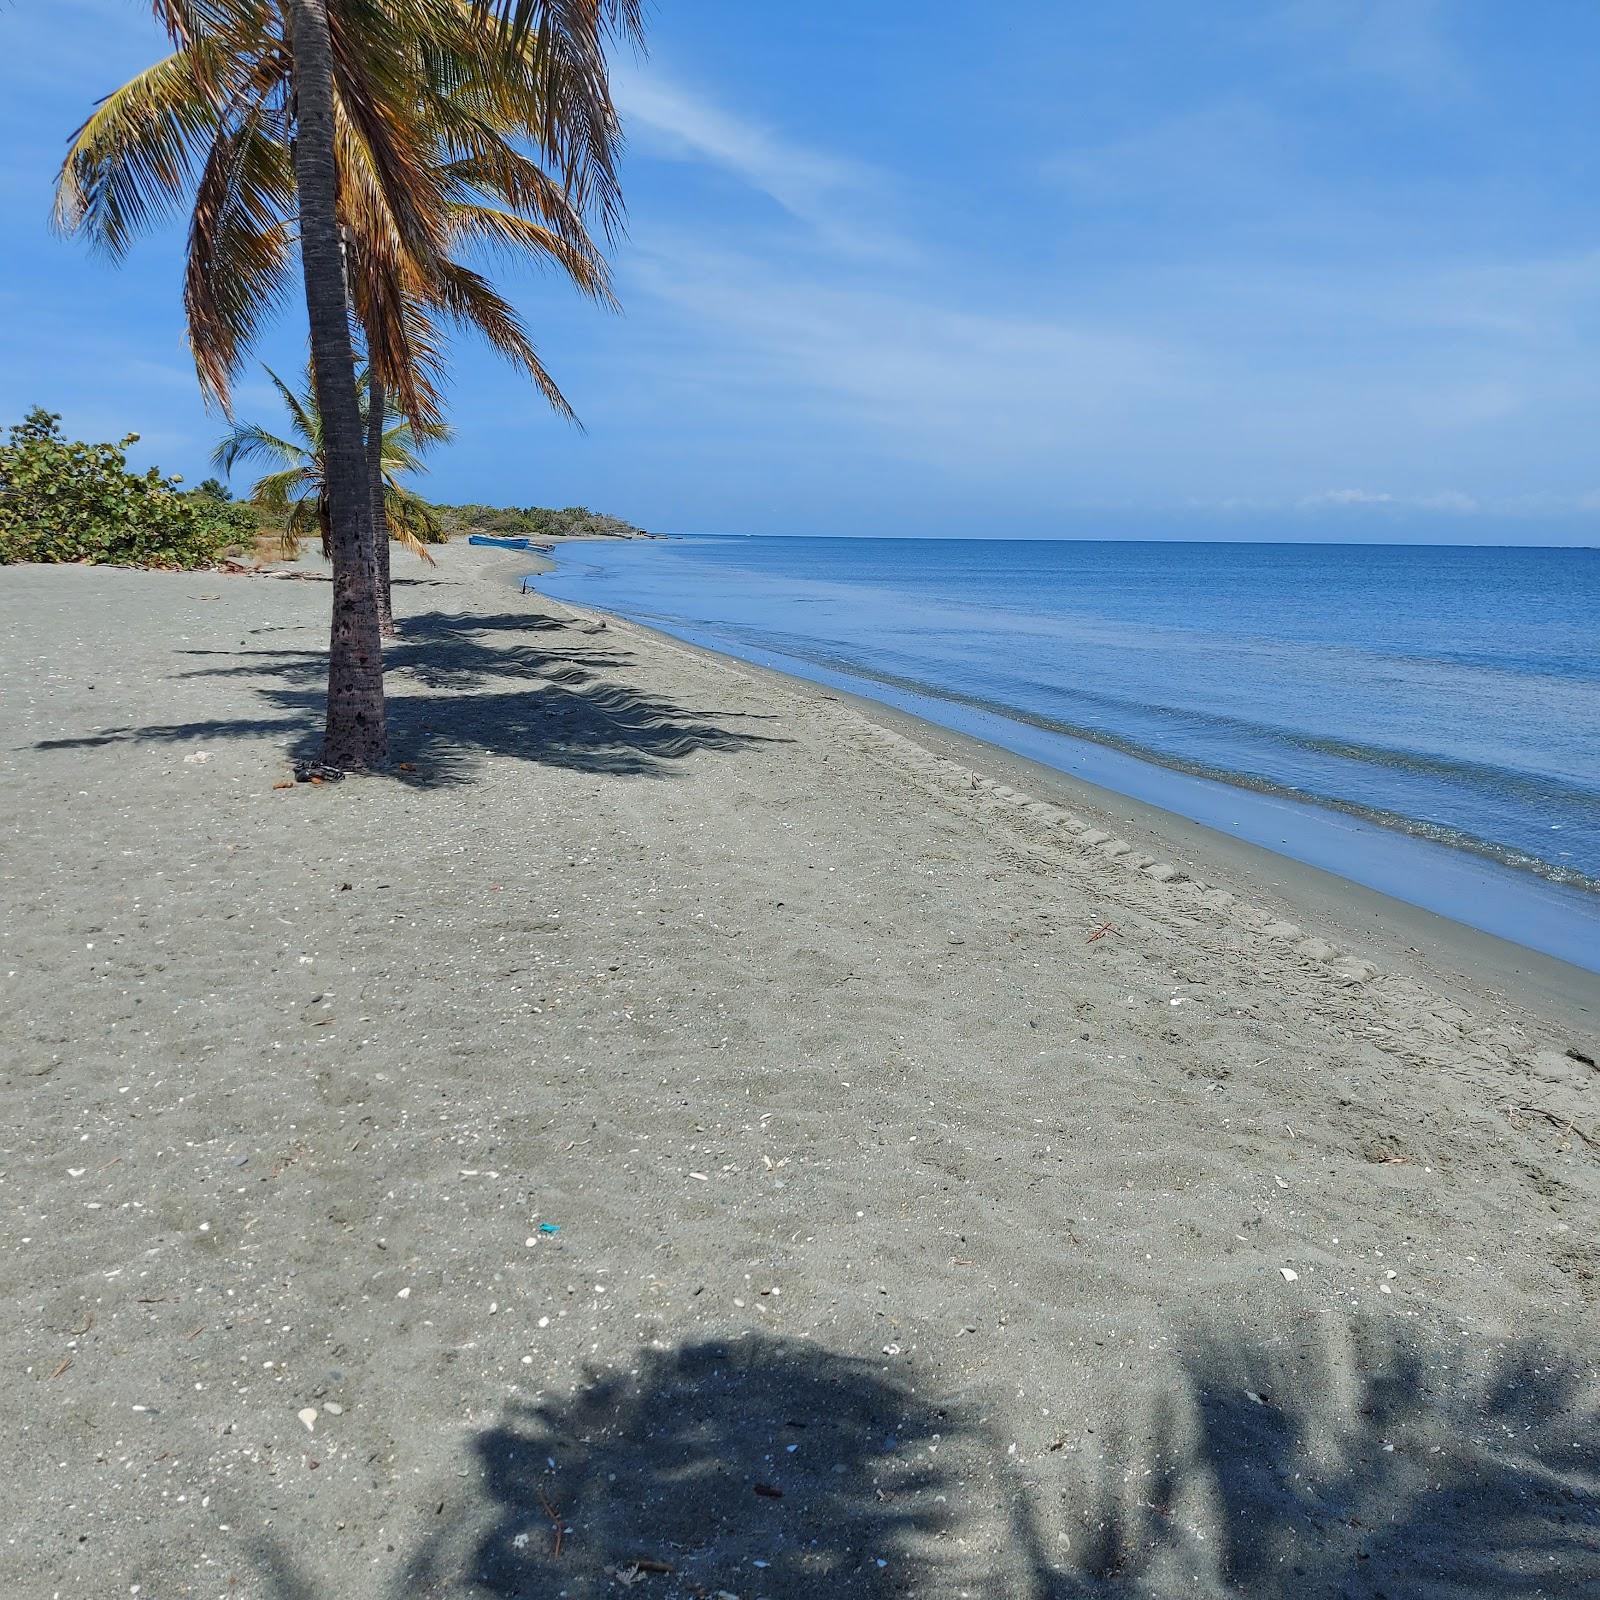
(909, 1241)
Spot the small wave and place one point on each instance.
(1506, 854)
(1488, 776)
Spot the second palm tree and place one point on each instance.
(296, 490)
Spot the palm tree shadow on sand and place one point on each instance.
(1360, 1462)
(758, 1466)
(463, 687)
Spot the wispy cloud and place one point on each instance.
(1097, 401)
(1229, 153)
(1244, 361)
(926, 379)
(1405, 42)
(835, 197)
(854, 335)
(1448, 500)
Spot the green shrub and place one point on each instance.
(62, 500)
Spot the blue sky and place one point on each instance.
(1258, 268)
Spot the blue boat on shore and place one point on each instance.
(504, 544)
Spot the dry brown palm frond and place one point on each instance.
(561, 99)
(241, 241)
(385, 131)
(379, 271)
(471, 300)
(509, 232)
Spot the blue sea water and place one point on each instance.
(1447, 692)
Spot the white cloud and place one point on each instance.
(834, 196)
(1229, 153)
(927, 379)
(1453, 500)
(1322, 339)
(1443, 500)
(1346, 497)
(1194, 381)
(1406, 42)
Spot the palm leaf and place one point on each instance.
(471, 301)
(303, 414)
(247, 442)
(240, 241)
(282, 491)
(411, 520)
(128, 167)
(582, 263)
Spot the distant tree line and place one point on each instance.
(540, 522)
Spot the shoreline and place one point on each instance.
(1469, 953)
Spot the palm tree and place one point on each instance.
(264, 77)
(297, 489)
(280, 111)
(356, 733)
(239, 256)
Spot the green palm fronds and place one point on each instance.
(295, 490)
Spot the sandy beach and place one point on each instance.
(684, 1133)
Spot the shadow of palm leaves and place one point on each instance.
(754, 1467)
(458, 695)
(1363, 1462)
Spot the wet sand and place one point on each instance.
(684, 1132)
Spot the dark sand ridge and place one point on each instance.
(792, 1023)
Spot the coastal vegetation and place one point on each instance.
(539, 522)
(376, 140)
(65, 500)
(62, 499)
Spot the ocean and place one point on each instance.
(1451, 694)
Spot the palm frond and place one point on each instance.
(471, 301)
(406, 436)
(303, 414)
(581, 262)
(305, 517)
(283, 491)
(129, 166)
(190, 21)
(560, 94)
(240, 240)
(247, 442)
(400, 455)
(411, 520)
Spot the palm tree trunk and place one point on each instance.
(377, 403)
(355, 735)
